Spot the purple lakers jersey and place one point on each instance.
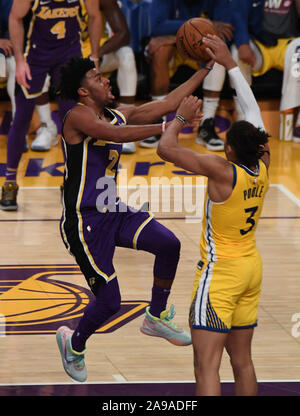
(54, 23)
(91, 169)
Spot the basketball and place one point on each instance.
(189, 38)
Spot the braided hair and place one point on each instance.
(71, 76)
(247, 141)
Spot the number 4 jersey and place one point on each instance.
(55, 23)
(228, 227)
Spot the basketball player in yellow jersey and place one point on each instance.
(226, 290)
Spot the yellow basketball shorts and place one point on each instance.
(177, 61)
(226, 293)
(273, 56)
(86, 49)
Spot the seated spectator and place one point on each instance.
(269, 37)
(114, 53)
(47, 132)
(167, 17)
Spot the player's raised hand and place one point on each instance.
(189, 108)
(23, 73)
(218, 51)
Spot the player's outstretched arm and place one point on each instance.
(83, 122)
(152, 111)
(219, 51)
(212, 166)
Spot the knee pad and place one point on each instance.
(127, 72)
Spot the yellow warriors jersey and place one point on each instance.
(228, 228)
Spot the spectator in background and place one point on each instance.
(267, 36)
(54, 36)
(47, 132)
(167, 16)
(116, 54)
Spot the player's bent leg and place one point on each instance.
(106, 303)
(71, 344)
(73, 362)
(158, 320)
(164, 327)
(208, 348)
(238, 347)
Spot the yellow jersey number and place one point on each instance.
(111, 168)
(110, 171)
(59, 29)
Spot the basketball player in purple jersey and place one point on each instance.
(95, 221)
(53, 37)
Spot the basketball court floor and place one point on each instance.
(41, 287)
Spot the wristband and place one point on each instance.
(91, 58)
(206, 67)
(163, 126)
(180, 118)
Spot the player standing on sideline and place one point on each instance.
(227, 286)
(53, 36)
(94, 222)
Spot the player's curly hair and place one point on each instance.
(71, 76)
(247, 142)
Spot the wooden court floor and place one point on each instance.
(42, 288)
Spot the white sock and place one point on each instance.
(44, 113)
(239, 112)
(209, 107)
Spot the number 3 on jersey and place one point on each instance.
(250, 219)
(59, 29)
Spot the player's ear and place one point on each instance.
(82, 92)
